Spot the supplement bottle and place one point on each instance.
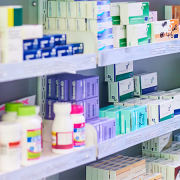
(11, 111)
(78, 120)
(31, 135)
(41, 121)
(62, 129)
(10, 153)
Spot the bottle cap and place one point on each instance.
(77, 109)
(62, 107)
(27, 111)
(12, 107)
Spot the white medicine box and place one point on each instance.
(61, 9)
(51, 24)
(71, 9)
(52, 10)
(81, 9)
(61, 24)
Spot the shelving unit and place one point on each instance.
(125, 141)
(119, 55)
(40, 67)
(51, 164)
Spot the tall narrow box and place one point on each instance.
(71, 9)
(115, 13)
(172, 12)
(134, 13)
(52, 9)
(61, 9)
(61, 24)
(81, 9)
(118, 72)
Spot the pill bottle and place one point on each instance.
(11, 111)
(31, 135)
(62, 129)
(10, 154)
(78, 120)
(41, 121)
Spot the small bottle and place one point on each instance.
(10, 153)
(41, 121)
(11, 111)
(62, 129)
(78, 120)
(31, 135)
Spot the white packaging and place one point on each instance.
(145, 83)
(52, 9)
(11, 45)
(32, 31)
(106, 42)
(156, 176)
(50, 23)
(70, 24)
(119, 91)
(120, 36)
(71, 10)
(172, 171)
(155, 154)
(115, 12)
(81, 9)
(160, 110)
(11, 111)
(155, 165)
(149, 167)
(31, 135)
(61, 9)
(10, 137)
(161, 143)
(154, 95)
(166, 153)
(118, 72)
(78, 120)
(125, 101)
(62, 129)
(80, 24)
(61, 24)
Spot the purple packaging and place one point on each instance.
(91, 107)
(50, 87)
(49, 109)
(92, 86)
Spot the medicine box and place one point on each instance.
(81, 9)
(103, 110)
(153, 177)
(60, 39)
(46, 42)
(71, 9)
(32, 54)
(78, 48)
(172, 12)
(32, 31)
(80, 24)
(100, 27)
(31, 44)
(10, 16)
(120, 36)
(52, 9)
(160, 110)
(146, 145)
(11, 44)
(70, 24)
(50, 86)
(98, 9)
(153, 16)
(61, 24)
(51, 23)
(163, 168)
(62, 89)
(61, 9)
(125, 101)
(118, 72)
(48, 52)
(173, 170)
(145, 83)
(134, 13)
(115, 13)
(105, 42)
(161, 143)
(138, 34)
(132, 102)
(146, 153)
(176, 99)
(154, 95)
(122, 90)
(49, 109)
(166, 30)
(64, 50)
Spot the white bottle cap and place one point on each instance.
(37, 110)
(62, 107)
(9, 127)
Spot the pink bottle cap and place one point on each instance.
(77, 109)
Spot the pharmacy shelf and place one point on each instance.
(119, 55)
(125, 141)
(40, 67)
(52, 164)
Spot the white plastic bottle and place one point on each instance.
(78, 120)
(10, 153)
(41, 121)
(62, 129)
(31, 135)
(11, 111)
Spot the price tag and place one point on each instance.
(152, 134)
(158, 51)
(170, 127)
(132, 140)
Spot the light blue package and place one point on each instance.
(32, 54)
(105, 42)
(102, 111)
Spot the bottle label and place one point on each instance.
(34, 144)
(62, 140)
(79, 135)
